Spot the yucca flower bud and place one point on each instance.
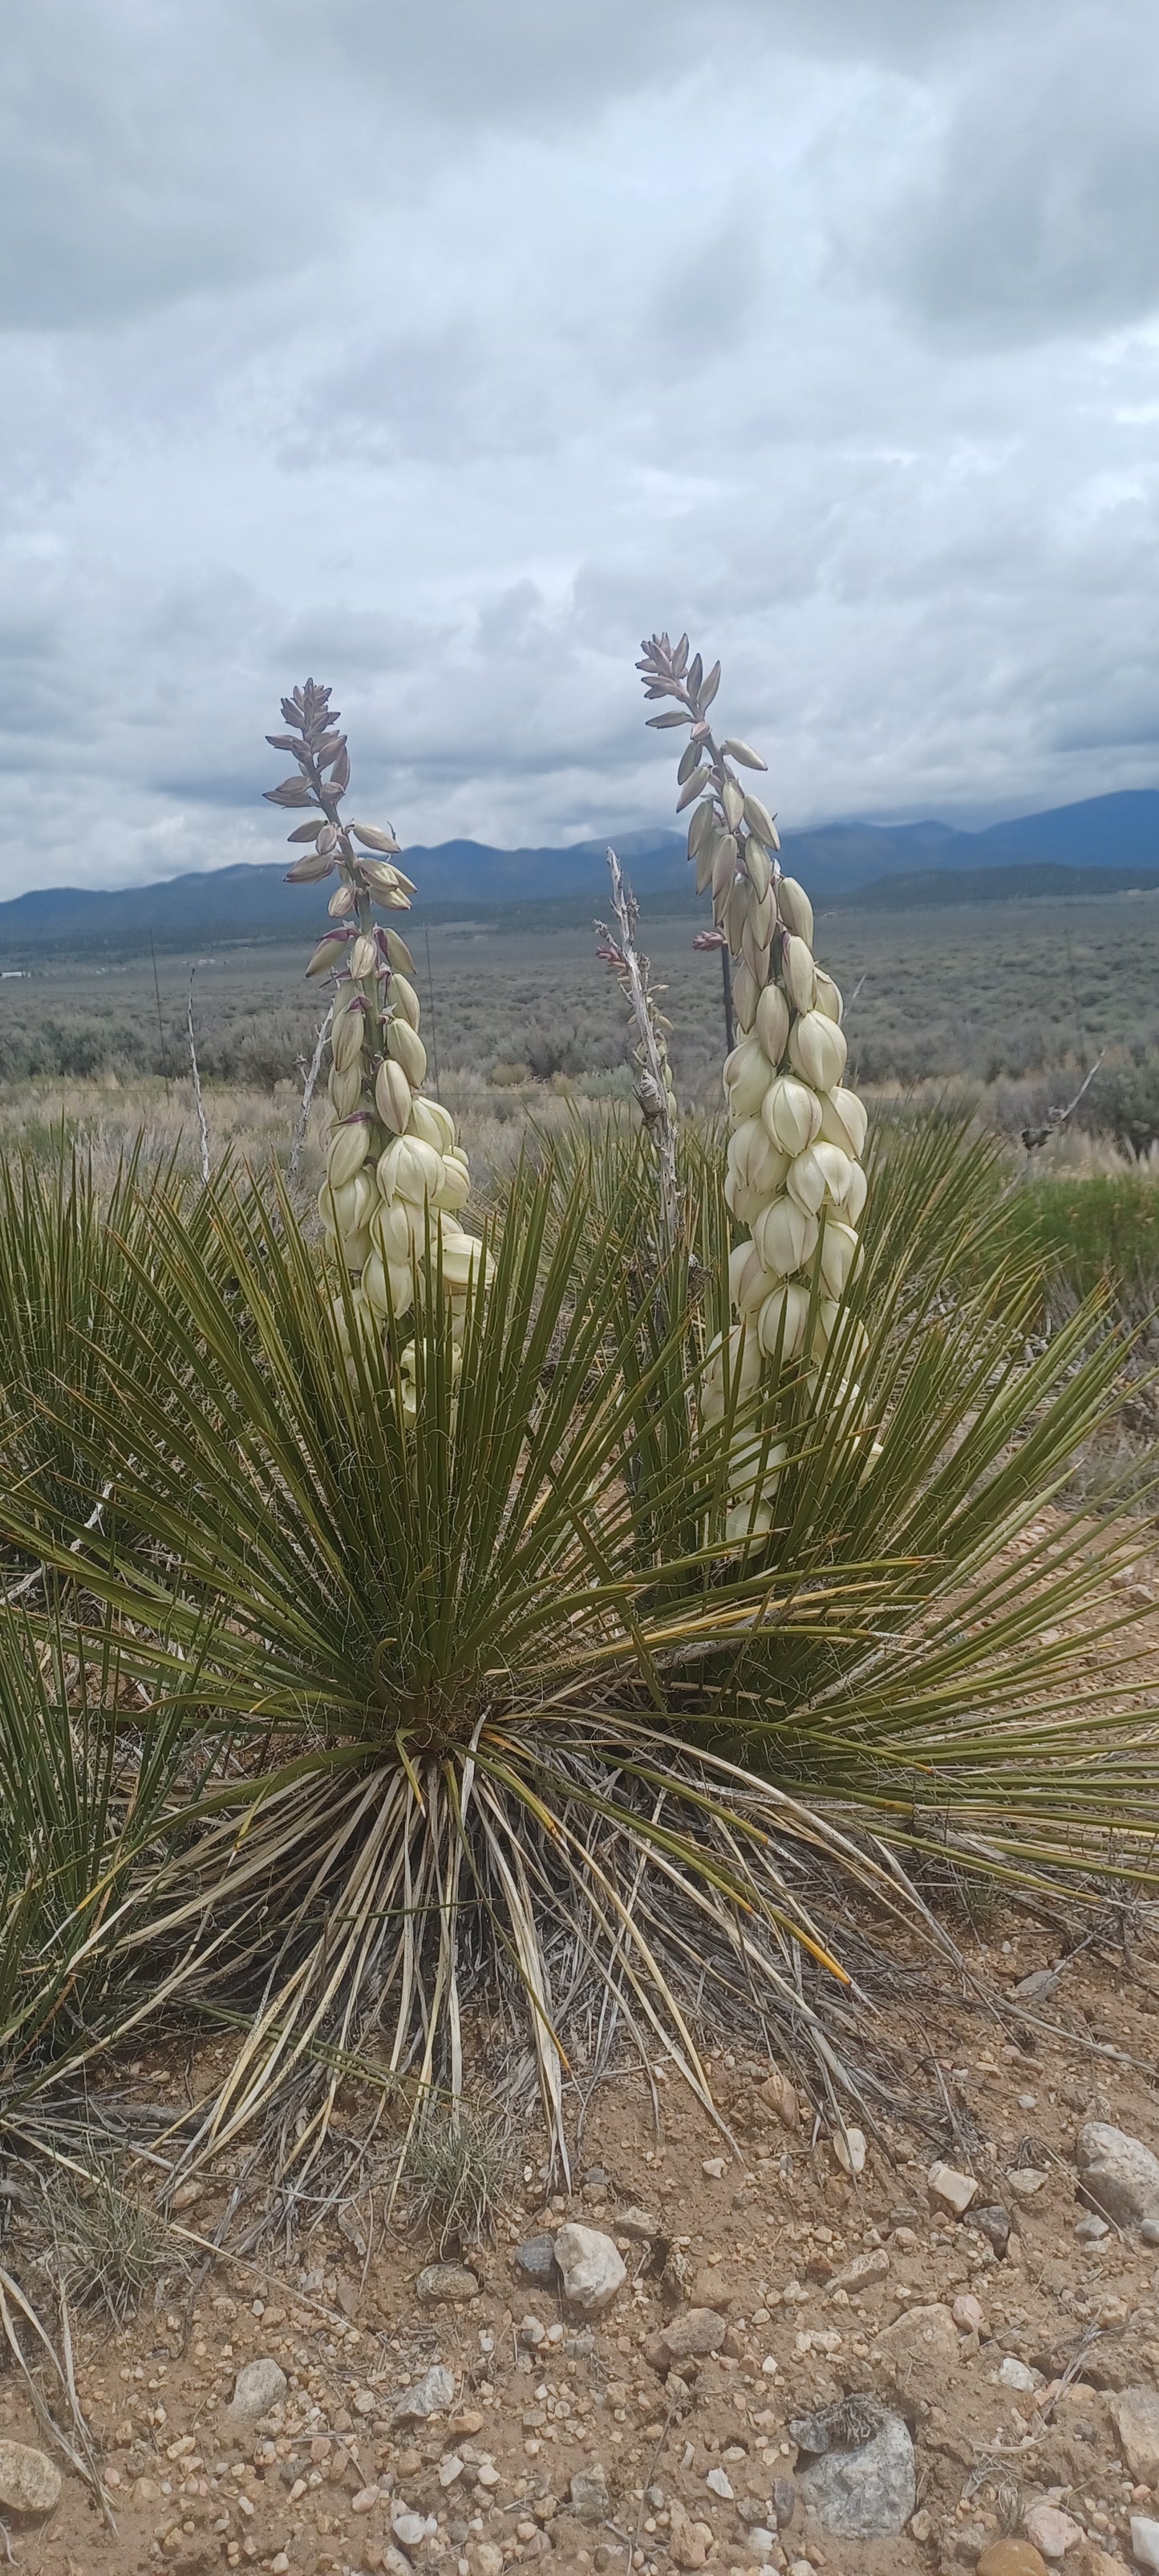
(840, 1252)
(838, 1169)
(346, 1042)
(409, 1169)
(406, 1048)
(749, 1281)
(791, 1112)
(348, 1149)
(785, 1237)
(433, 1123)
(760, 870)
(456, 1189)
(783, 1321)
(392, 1097)
(388, 1285)
(753, 1461)
(757, 1163)
(855, 1195)
(464, 1262)
(723, 865)
(805, 1182)
(348, 1206)
(405, 998)
(329, 953)
(345, 1088)
(746, 993)
(364, 957)
(828, 996)
(817, 1050)
(772, 1023)
(390, 1231)
(795, 909)
(342, 903)
(755, 952)
(844, 1121)
(748, 1520)
(800, 973)
(355, 1248)
(732, 1368)
(747, 1074)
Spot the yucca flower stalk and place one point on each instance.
(795, 1180)
(396, 1175)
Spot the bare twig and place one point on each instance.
(310, 1086)
(1033, 1137)
(28, 1582)
(653, 1085)
(197, 1091)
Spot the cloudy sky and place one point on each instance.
(441, 349)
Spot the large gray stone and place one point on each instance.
(864, 2494)
(592, 2267)
(1118, 2174)
(29, 2480)
(259, 2386)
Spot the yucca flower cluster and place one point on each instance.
(794, 1178)
(396, 1177)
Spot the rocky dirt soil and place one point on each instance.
(922, 2352)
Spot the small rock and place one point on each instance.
(450, 2469)
(259, 2386)
(863, 2269)
(994, 2223)
(532, 2333)
(589, 2495)
(187, 2195)
(866, 2493)
(784, 2502)
(1011, 2558)
(593, 2269)
(1025, 2180)
(967, 2314)
(445, 2281)
(689, 2542)
(487, 2558)
(1013, 2373)
(365, 2500)
(638, 2224)
(430, 2395)
(1099, 2562)
(715, 2167)
(1136, 2415)
(1092, 2229)
(1145, 2540)
(721, 2484)
(921, 2527)
(920, 2352)
(535, 2259)
(1149, 2231)
(778, 2097)
(953, 2190)
(1050, 2530)
(29, 2480)
(411, 2528)
(761, 2540)
(1119, 2175)
(692, 2335)
(850, 2149)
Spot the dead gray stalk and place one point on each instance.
(309, 1088)
(654, 1081)
(197, 1092)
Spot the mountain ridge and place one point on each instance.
(1098, 838)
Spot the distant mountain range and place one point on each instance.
(1106, 842)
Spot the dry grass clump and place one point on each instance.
(456, 2167)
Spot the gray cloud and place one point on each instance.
(442, 355)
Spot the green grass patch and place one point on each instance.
(1104, 1226)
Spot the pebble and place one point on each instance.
(956, 2191)
(1092, 2229)
(721, 2484)
(691, 2335)
(1118, 2173)
(1012, 2558)
(29, 2480)
(593, 2268)
(589, 2495)
(1136, 2414)
(920, 2351)
(259, 2386)
(967, 2313)
(532, 2333)
(1050, 2530)
(994, 2224)
(865, 2493)
(445, 2281)
(715, 2167)
(779, 2097)
(431, 2395)
(1149, 2231)
(1145, 2540)
(1025, 2180)
(850, 2149)
(535, 2259)
(864, 2268)
(412, 2528)
(1013, 2373)
(450, 2469)
(638, 2224)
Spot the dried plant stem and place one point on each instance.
(202, 1124)
(654, 1085)
(308, 1090)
